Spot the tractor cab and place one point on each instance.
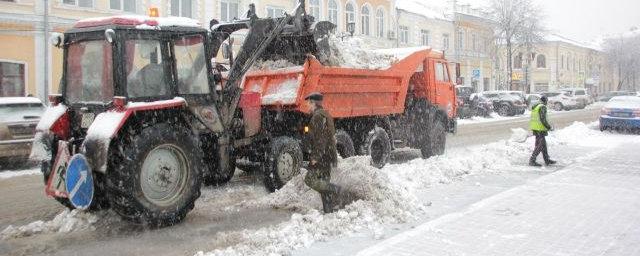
(135, 59)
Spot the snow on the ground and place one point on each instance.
(390, 194)
(494, 117)
(65, 222)
(11, 174)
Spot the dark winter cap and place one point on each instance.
(314, 96)
(544, 99)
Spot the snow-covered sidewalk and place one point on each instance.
(589, 208)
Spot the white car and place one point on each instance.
(580, 95)
(561, 100)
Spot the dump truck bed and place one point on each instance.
(348, 92)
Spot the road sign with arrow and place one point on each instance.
(79, 182)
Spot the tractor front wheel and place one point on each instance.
(155, 176)
(283, 162)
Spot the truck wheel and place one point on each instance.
(436, 141)
(156, 175)
(344, 144)
(216, 176)
(378, 147)
(283, 163)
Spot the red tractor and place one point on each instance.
(144, 116)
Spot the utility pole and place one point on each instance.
(46, 50)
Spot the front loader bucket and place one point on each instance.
(294, 46)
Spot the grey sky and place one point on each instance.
(587, 20)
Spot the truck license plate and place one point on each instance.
(87, 119)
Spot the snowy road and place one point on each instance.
(227, 217)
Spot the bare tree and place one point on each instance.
(623, 55)
(517, 25)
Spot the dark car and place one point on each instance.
(505, 103)
(18, 119)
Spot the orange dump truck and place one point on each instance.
(411, 103)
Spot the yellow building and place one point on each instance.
(557, 63)
(474, 47)
(24, 69)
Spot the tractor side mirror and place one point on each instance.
(109, 34)
(56, 39)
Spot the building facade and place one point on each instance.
(474, 48)
(554, 64)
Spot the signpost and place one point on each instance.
(79, 182)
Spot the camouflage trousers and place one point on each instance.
(319, 179)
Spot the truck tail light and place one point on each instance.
(61, 127)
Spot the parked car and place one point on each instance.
(18, 119)
(504, 103)
(621, 112)
(519, 94)
(580, 95)
(532, 99)
(561, 100)
(471, 104)
(608, 95)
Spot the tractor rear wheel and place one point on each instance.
(155, 176)
(283, 162)
(378, 147)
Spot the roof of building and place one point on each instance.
(558, 38)
(431, 9)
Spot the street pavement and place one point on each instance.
(589, 208)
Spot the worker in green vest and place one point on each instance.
(540, 126)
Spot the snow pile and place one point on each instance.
(283, 93)
(65, 222)
(272, 65)
(588, 135)
(11, 174)
(352, 52)
(519, 135)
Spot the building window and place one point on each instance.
(474, 42)
(541, 61)
(424, 36)
(11, 79)
(123, 5)
(460, 40)
(404, 34)
(181, 8)
(229, 10)
(445, 41)
(562, 62)
(366, 24)
(275, 12)
(314, 9)
(350, 13)
(79, 3)
(517, 61)
(333, 12)
(380, 23)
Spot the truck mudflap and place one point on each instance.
(106, 126)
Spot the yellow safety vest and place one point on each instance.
(535, 124)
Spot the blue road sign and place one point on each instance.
(476, 73)
(79, 182)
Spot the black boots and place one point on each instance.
(533, 162)
(336, 199)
